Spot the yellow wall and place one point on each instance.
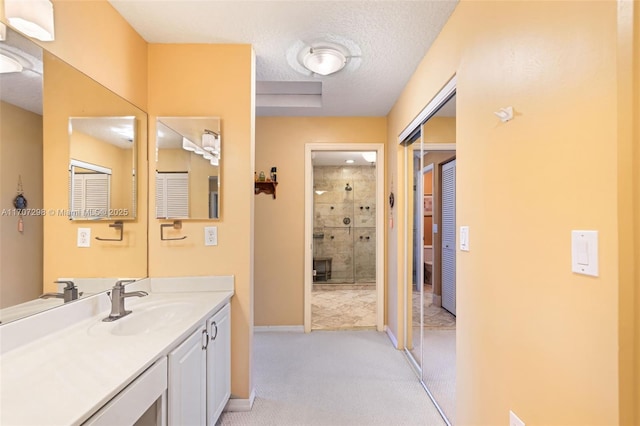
(86, 148)
(173, 160)
(279, 226)
(212, 80)
(93, 38)
(628, 212)
(532, 336)
(199, 174)
(21, 252)
(440, 130)
(635, 113)
(67, 93)
(630, 28)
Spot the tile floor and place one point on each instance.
(343, 307)
(435, 317)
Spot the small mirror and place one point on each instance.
(188, 161)
(102, 178)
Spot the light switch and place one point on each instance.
(584, 252)
(210, 235)
(84, 237)
(464, 238)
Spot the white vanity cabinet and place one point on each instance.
(199, 373)
(218, 363)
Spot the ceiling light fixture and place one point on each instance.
(8, 64)
(369, 157)
(349, 161)
(33, 17)
(324, 60)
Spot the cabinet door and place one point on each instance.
(187, 381)
(218, 363)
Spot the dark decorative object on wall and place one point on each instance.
(20, 202)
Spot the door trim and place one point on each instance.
(308, 223)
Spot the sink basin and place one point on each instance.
(145, 319)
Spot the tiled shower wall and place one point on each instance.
(351, 246)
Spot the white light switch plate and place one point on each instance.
(210, 235)
(464, 238)
(84, 237)
(584, 252)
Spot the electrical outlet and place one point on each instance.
(514, 420)
(84, 237)
(210, 235)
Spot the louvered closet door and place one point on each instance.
(90, 195)
(172, 195)
(449, 236)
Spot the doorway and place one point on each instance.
(343, 236)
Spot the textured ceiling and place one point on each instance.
(23, 89)
(386, 38)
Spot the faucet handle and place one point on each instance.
(120, 283)
(69, 284)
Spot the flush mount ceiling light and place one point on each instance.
(324, 60)
(32, 17)
(8, 64)
(369, 157)
(325, 55)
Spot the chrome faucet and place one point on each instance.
(117, 300)
(69, 293)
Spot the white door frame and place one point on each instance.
(308, 223)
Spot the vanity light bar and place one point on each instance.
(188, 145)
(211, 141)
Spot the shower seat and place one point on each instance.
(322, 268)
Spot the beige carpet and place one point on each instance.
(439, 352)
(333, 378)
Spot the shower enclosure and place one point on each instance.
(344, 246)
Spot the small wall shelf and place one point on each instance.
(266, 187)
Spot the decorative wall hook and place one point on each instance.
(177, 224)
(505, 114)
(118, 225)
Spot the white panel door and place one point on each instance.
(449, 236)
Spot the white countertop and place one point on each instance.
(66, 376)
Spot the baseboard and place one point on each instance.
(280, 328)
(239, 404)
(392, 338)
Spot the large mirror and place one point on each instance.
(42, 99)
(188, 161)
(102, 178)
(430, 321)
